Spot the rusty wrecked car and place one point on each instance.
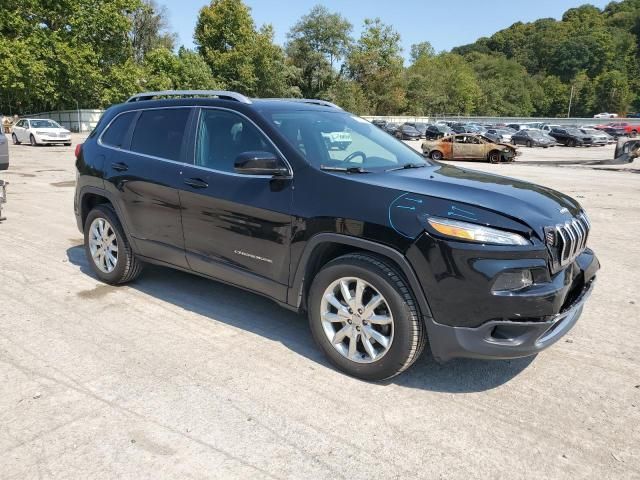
(468, 146)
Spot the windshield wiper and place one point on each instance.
(407, 166)
(344, 169)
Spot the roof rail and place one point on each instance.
(238, 97)
(315, 101)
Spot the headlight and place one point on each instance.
(475, 233)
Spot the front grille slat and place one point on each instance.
(570, 239)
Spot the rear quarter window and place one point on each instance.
(116, 133)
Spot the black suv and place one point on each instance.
(380, 247)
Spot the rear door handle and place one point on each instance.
(120, 167)
(196, 183)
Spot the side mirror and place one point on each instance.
(260, 163)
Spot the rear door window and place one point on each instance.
(116, 133)
(160, 132)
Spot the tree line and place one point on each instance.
(93, 53)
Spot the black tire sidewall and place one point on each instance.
(115, 276)
(14, 137)
(394, 360)
(32, 141)
(436, 155)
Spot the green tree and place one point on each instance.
(421, 49)
(316, 44)
(443, 83)
(349, 95)
(376, 63)
(612, 92)
(240, 57)
(149, 29)
(506, 87)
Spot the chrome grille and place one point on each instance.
(567, 240)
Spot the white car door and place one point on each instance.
(18, 130)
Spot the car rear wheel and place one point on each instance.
(363, 316)
(107, 248)
(529, 143)
(14, 137)
(436, 155)
(32, 140)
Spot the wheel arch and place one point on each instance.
(91, 196)
(324, 247)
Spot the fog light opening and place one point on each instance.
(512, 281)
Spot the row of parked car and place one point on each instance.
(534, 134)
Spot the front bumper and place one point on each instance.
(470, 319)
(53, 140)
(501, 339)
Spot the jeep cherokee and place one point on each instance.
(381, 247)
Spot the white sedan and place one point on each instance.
(38, 131)
(605, 115)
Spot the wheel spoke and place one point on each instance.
(377, 336)
(341, 334)
(346, 294)
(367, 345)
(353, 344)
(372, 305)
(342, 310)
(333, 317)
(379, 319)
(360, 286)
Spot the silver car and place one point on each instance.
(599, 137)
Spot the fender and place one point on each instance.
(103, 193)
(296, 291)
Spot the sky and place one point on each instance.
(443, 24)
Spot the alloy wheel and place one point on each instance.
(357, 320)
(103, 245)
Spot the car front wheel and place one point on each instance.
(107, 247)
(364, 318)
(436, 155)
(32, 140)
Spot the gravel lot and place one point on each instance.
(179, 377)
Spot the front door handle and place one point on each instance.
(120, 167)
(196, 183)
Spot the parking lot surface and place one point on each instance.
(175, 376)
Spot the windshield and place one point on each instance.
(573, 131)
(535, 133)
(44, 124)
(342, 140)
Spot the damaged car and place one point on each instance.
(467, 146)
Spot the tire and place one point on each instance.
(513, 142)
(634, 133)
(571, 143)
(14, 137)
(32, 141)
(407, 332)
(529, 143)
(494, 156)
(127, 267)
(435, 155)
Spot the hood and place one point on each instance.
(532, 204)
